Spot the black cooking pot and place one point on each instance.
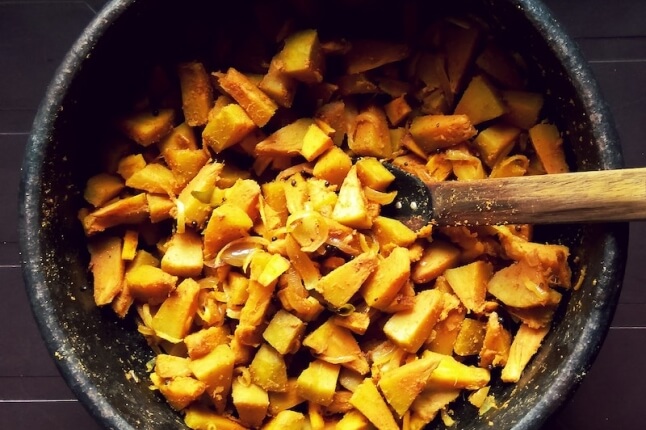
(95, 350)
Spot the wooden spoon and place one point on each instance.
(582, 197)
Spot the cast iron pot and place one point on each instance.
(94, 349)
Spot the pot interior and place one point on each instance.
(95, 350)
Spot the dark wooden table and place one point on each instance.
(34, 36)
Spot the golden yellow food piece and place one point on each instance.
(433, 132)
(284, 332)
(160, 207)
(197, 93)
(278, 85)
(286, 420)
(333, 343)
(338, 286)
(301, 57)
(200, 343)
(154, 178)
(450, 374)
(251, 402)
(389, 277)
(150, 283)
(227, 127)
(102, 188)
(147, 127)
(181, 391)
(315, 143)
(400, 386)
(496, 343)
(196, 212)
(281, 401)
(548, 144)
(255, 103)
(367, 399)
(169, 366)
(227, 222)
(128, 210)
(317, 383)
(523, 108)
(496, 142)
(183, 257)
(525, 344)
(216, 370)
(130, 164)
(397, 110)
(370, 135)
(333, 166)
(130, 242)
(481, 101)
(438, 256)
(469, 282)
(107, 268)
(175, 315)
(409, 329)
(470, 338)
(201, 418)
(268, 369)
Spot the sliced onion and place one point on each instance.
(378, 196)
(309, 229)
(237, 252)
(303, 167)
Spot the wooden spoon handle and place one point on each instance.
(596, 196)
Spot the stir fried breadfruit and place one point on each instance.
(238, 218)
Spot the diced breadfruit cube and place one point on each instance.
(281, 401)
(251, 402)
(367, 399)
(102, 188)
(334, 114)
(129, 210)
(438, 256)
(523, 108)
(155, 178)
(470, 337)
(333, 166)
(481, 101)
(548, 144)
(317, 383)
(130, 164)
(373, 174)
(244, 193)
(182, 137)
(186, 163)
(195, 211)
(353, 420)
(389, 231)
(268, 369)
(450, 374)
(201, 342)
(257, 104)
(496, 343)
(181, 391)
(253, 313)
(469, 283)
(130, 242)
(147, 127)
(183, 257)
(169, 366)
(197, 92)
(522, 285)
(150, 283)
(351, 207)
(278, 85)
(215, 369)
(287, 140)
(315, 143)
(333, 343)
(338, 286)
(389, 277)
(160, 208)
(301, 57)
(175, 316)
(284, 332)
(433, 132)
(227, 222)
(496, 142)
(108, 268)
(397, 110)
(366, 55)
(201, 418)
(525, 344)
(403, 384)
(409, 329)
(286, 420)
(227, 127)
(370, 135)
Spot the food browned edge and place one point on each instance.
(93, 349)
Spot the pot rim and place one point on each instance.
(572, 370)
